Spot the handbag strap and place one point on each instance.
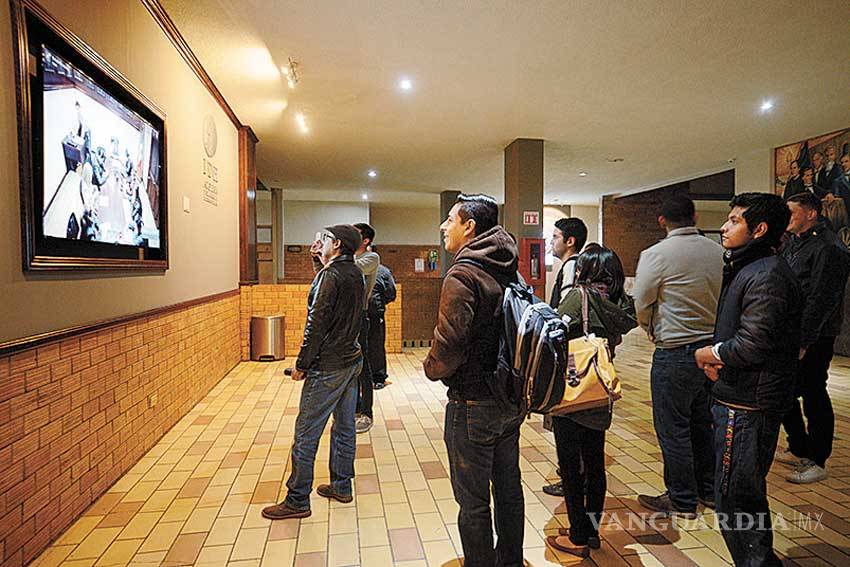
(585, 311)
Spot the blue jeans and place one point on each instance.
(483, 446)
(744, 443)
(324, 393)
(682, 419)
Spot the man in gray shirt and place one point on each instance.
(676, 290)
(368, 263)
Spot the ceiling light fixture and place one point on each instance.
(290, 71)
(405, 84)
(767, 106)
(301, 120)
(372, 173)
(365, 197)
(582, 174)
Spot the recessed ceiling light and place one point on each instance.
(301, 120)
(582, 174)
(767, 106)
(372, 173)
(365, 197)
(405, 84)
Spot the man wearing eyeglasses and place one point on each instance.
(329, 363)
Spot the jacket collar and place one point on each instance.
(683, 230)
(818, 228)
(737, 259)
(342, 258)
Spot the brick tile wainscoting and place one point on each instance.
(290, 300)
(77, 413)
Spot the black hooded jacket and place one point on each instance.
(466, 340)
(758, 324)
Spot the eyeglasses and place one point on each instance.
(326, 236)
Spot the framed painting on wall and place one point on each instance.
(820, 165)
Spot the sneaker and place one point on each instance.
(283, 511)
(807, 474)
(789, 458)
(378, 385)
(328, 491)
(555, 489)
(663, 504)
(363, 424)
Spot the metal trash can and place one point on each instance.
(267, 338)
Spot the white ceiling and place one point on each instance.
(674, 88)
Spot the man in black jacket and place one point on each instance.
(821, 262)
(752, 363)
(383, 293)
(329, 363)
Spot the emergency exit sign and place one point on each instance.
(530, 218)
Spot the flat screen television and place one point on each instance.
(92, 149)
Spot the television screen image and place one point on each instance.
(101, 162)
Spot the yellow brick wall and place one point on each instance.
(290, 300)
(76, 414)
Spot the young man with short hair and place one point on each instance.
(675, 291)
(821, 263)
(482, 438)
(328, 363)
(368, 263)
(568, 238)
(752, 363)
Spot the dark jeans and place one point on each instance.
(816, 444)
(682, 418)
(580, 447)
(744, 444)
(483, 446)
(324, 393)
(377, 352)
(364, 402)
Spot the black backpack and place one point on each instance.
(533, 350)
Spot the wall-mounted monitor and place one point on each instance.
(92, 156)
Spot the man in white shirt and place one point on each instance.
(568, 239)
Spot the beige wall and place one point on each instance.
(203, 245)
(753, 171)
(406, 225)
(301, 219)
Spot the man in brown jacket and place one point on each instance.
(482, 438)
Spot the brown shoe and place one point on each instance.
(564, 544)
(283, 511)
(592, 541)
(327, 491)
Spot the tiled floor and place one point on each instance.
(195, 498)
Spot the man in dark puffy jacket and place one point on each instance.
(383, 293)
(482, 438)
(821, 262)
(752, 363)
(329, 363)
